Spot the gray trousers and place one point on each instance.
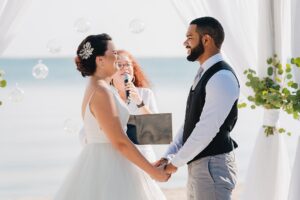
(212, 177)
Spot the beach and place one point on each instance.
(171, 194)
(180, 193)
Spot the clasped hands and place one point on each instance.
(166, 166)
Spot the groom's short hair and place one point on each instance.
(212, 27)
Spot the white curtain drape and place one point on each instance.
(268, 174)
(294, 192)
(295, 15)
(11, 12)
(274, 30)
(249, 41)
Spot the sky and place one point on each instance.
(53, 20)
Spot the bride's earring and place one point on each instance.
(133, 79)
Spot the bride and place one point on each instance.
(109, 166)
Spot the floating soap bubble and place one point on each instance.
(40, 70)
(2, 73)
(54, 46)
(82, 25)
(2, 81)
(70, 126)
(16, 95)
(136, 26)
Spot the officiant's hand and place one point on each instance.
(170, 169)
(133, 93)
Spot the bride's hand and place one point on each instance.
(160, 175)
(162, 161)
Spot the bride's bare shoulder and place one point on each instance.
(102, 89)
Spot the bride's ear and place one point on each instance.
(99, 61)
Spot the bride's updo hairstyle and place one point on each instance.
(91, 47)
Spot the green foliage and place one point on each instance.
(275, 91)
(2, 82)
(242, 105)
(270, 130)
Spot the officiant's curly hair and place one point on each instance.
(91, 47)
(211, 27)
(140, 79)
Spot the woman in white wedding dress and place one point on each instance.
(109, 166)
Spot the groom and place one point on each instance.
(204, 141)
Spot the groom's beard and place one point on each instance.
(196, 52)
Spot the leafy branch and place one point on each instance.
(275, 91)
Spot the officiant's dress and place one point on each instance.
(102, 173)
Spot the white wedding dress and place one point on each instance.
(102, 173)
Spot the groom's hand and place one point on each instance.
(162, 161)
(160, 175)
(170, 169)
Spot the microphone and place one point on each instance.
(127, 79)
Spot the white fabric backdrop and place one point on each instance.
(294, 192)
(295, 15)
(274, 31)
(11, 12)
(269, 171)
(249, 41)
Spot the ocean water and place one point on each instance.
(36, 152)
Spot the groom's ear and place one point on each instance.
(205, 39)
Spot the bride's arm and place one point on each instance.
(104, 109)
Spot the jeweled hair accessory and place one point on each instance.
(86, 51)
